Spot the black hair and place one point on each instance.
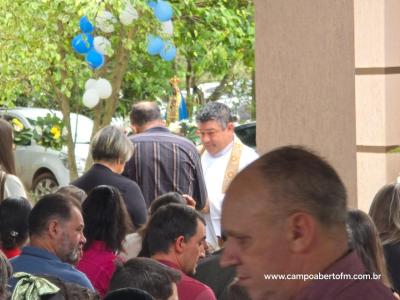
(48, 207)
(145, 274)
(166, 225)
(167, 198)
(14, 214)
(106, 217)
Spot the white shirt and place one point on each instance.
(13, 187)
(214, 167)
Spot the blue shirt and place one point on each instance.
(38, 261)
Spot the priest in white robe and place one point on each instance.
(223, 155)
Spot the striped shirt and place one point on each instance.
(164, 162)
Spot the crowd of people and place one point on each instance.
(157, 218)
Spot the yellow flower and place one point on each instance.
(18, 126)
(56, 132)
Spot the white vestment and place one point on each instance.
(214, 168)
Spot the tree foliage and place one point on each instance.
(39, 68)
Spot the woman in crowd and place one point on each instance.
(111, 149)
(10, 185)
(364, 239)
(14, 213)
(106, 224)
(385, 212)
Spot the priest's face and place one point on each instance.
(214, 137)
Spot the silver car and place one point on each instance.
(43, 170)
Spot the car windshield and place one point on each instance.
(81, 126)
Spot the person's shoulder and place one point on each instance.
(195, 286)
(14, 186)
(71, 274)
(365, 290)
(124, 182)
(250, 152)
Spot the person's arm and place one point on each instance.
(206, 208)
(200, 191)
(136, 205)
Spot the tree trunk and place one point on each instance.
(65, 109)
(105, 110)
(219, 90)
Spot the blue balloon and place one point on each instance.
(85, 25)
(168, 52)
(82, 43)
(152, 4)
(154, 45)
(94, 59)
(163, 11)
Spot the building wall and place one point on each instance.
(377, 69)
(305, 85)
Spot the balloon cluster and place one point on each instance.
(155, 44)
(93, 48)
(96, 90)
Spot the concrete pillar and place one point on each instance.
(377, 61)
(305, 80)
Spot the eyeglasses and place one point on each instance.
(209, 133)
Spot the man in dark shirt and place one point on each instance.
(162, 161)
(285, 219)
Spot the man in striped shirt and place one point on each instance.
(162, 161)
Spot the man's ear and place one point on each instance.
(230, 126)
(301, 232)
(134, 128)
(54, 228)
(180, 244)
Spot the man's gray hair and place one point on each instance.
(215, 111)
(112, 145)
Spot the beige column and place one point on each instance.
(377, 61)
(305, 80)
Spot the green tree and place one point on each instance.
(38, 66)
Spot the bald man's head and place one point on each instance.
(145, 112)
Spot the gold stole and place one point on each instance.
(233, 164)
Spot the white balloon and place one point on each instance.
(106, 28)
(167, 27)
(105, 20)
(91, 98)
(101, 44)
(125, 18)
(128, 14)
(90, 84)
(104, 88)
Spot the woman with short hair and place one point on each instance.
(111, 149)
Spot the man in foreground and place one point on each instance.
(284, 216)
